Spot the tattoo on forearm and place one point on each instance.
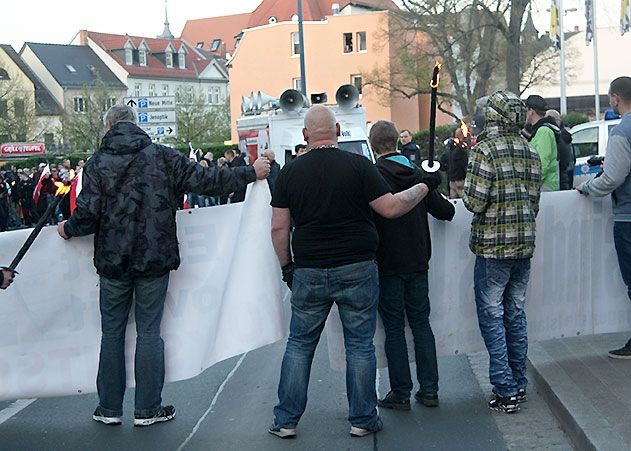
(412, 195)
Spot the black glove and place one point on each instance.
(288, 274)
(431, 179)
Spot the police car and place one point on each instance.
(590, 139)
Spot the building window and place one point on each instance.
(189, 94)
(109, 103)
(129, 57)
(295, 44)
(79, 104)
(348, 42)
(152, 89)
(3, 108)
(142, 57)
(169, 59)
(137, 89)
(356, 80)
(181, 60)
(216, 96)
(361, 41)
(297, 84)
(210, 95)
(4, 75)
(18, 107)
(215, 45)
(49, 140)
(71, 68)
(165, 90)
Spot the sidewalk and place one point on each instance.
(589, 393)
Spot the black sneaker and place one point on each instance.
(623, 353)
(361, 432)
(166, 413)
(508, 404)
(389, 402)
(521, 395)
(98, 415)
(282, 432)
(427, 399)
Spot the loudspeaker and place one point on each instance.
(319, 97)
(292, 100)
(248, 103)
(263, 99)
(347, 97)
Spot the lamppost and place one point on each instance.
(563, 12)
(301, 40)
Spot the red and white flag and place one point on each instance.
(38, 188)
(75, 189)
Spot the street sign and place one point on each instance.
(156, 117)
(160, 131)
(151, 103)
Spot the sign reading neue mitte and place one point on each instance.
(22, 149)
(156, 115)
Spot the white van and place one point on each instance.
(589, 139)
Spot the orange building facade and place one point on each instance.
(340, 49)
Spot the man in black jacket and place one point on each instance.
(130, 194)
(235, 161)
(403, 259)
(567, 159)
(409, 148)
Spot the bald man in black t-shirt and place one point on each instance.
(329, 194)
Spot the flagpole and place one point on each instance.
(596, 78)
(563, 99)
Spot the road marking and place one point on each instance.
(212, 403)
(15, 408)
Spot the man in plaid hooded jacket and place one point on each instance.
(502, 190)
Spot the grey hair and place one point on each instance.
(120, 113)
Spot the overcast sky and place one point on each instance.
(57, 21)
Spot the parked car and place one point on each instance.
(588, 140)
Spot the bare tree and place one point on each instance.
(199, 122)
(17, 109)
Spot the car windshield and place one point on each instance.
(358, 147)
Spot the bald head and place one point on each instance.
(554, 114)
(320, 129)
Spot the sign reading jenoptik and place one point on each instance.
(156, 115)
(22, 149)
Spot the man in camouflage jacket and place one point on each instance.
(502, 190)
(131, 189)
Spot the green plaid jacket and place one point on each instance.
(502, 189)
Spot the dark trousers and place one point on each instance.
(400, 296)
(622, 241)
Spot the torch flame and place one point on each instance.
(436, 76)
(61, 189)
(464, 128)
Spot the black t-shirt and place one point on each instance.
(327, 192)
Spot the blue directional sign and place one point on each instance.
(143, 118)
(160, 131)
(143, 103)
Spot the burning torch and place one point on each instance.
(430, 165)
(62, 190)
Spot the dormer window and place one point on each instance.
(181, 60)
(169, 59)
(142, 57)
(129, 57)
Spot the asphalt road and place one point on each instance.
(229, 407)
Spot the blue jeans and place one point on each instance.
(400, 296)
(355, 290)
(500, 296)
(116, 296)
(622, 241)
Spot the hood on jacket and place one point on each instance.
(398, 169)
(504, 113)
(124, 138)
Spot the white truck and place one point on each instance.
(268, 123)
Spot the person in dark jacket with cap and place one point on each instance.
(403, 260)
(131, 188)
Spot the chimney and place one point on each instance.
(224, 50)
(83, 37)
(335, 9)
(576, 28)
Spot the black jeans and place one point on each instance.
(622, 241)
(401, 295)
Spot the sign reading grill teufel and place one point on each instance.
(22, 149)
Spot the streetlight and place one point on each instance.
(562, 50)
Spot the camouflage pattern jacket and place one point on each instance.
(503, 184)
(131, 191)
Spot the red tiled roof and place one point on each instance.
(195, 62)
(223, 27)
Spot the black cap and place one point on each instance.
(536, 103)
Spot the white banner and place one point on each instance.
(225, 299)
(575, 283)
